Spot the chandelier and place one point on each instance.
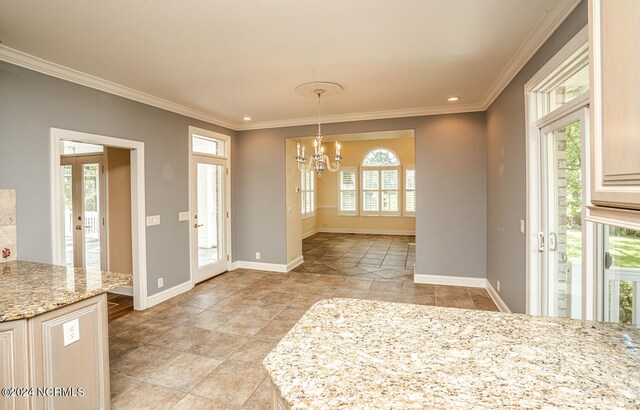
(319, 161)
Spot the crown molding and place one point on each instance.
(33, 63)
(547, 25)
(363, 116)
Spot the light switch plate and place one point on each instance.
(71, 331)
(183, 216)
(153, 220)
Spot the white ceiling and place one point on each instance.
(225, 59)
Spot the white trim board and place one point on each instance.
(450, 280)
(310, 233)
(497, 299)
(556, 14)
(168, 293)
(138, 212)
(270, 267)
(126, 290)
(366, 231)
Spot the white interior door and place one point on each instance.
(83, 208)
(209, 256)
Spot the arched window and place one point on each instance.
(381, 182)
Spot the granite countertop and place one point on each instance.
(349, 353)
(28, 289)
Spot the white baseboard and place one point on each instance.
(497, 299)
(168, 294)
(310, 233)
(296, 262)
(123, 290)
(271, 267)
(366, 231)
(450, 280)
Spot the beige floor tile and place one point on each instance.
(142, 396)
(463, 302)
(386, 286)
(261, 399)
(180, 337)
(255, 350)
(410, 288)
(119, 382)
(146, 331)
(124, 323)
(232, 382)
(418, 299)
(484, 303)
(143, 361)
(281, 298)
(177, 314)
(202, 301)
(243, 325)
(383, 296)
(192, 402)
(210, 319)
(262, 310)
(330, 280)
(120, 347)
(183, 372)
(291, 313)
(451, 291)
(218, 345)
(232, 304)
(275, 330)
(356, 283)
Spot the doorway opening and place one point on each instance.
(360, 220)
(98, 210)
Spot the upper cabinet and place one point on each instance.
(614, 42)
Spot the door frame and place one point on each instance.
(74, 160)
(227, 158)
(138, 227)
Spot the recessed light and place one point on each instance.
(453, 99)
(246, 118)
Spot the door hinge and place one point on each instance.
(227, 257)
(227, 214)
(102, 221)
(102, 169)
(540, 241)
(227, 171)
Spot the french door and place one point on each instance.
(209, 256)
(565, 240)
(83, 187)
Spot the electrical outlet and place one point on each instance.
(160, 282)
(522, 226)
(184, 216)
(153, 220)
(71, 332)
(257, 255)
(498, 285)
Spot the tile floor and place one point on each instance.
(204, 348)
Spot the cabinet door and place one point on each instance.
(14, 364)
(83, 363)
(615, 97)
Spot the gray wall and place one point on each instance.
(506, 171)
(31, 103)
(451, 187)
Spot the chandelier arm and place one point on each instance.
(331, 166)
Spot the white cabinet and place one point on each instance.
(14, 363)
(614, 41)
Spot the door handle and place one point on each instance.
(608, 260)
(197, 226)
(553, 241)
(78, 227)
(540, 241)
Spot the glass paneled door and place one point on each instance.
(209, 217)
(564, 235)
(82, 184)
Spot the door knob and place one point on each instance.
(197, 226)
(78, 227)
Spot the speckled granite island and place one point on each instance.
(53, 333)
(349, 353)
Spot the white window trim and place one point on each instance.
(212, 135)
(303, 191)
(399, 190)
(406, 213)
(356, 191)
(572, 56)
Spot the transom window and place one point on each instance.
(380, 183)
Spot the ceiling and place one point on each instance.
(222, 60)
